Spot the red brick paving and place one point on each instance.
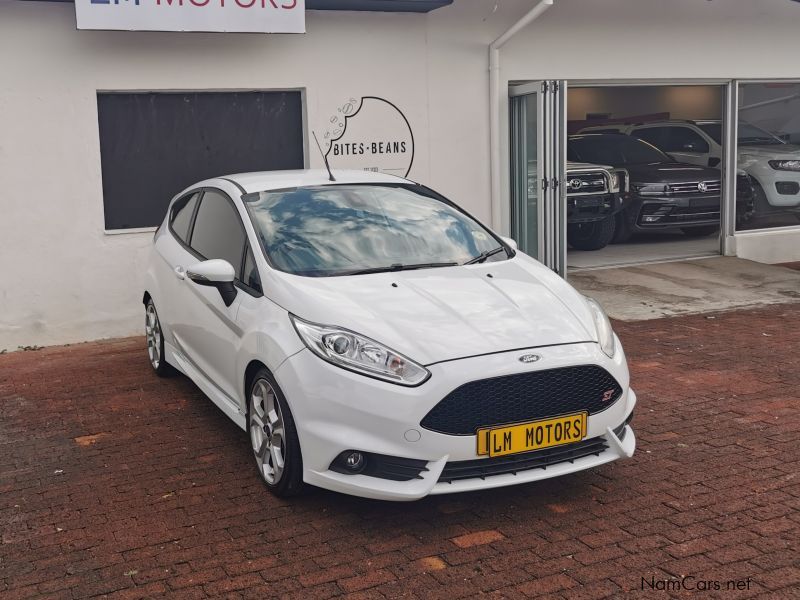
(114, 482)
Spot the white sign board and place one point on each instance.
(241, 16)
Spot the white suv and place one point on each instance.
(773, 164)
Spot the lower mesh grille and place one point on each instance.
(482, 468)
(503, 465)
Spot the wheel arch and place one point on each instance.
(253, 367)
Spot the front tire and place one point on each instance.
(273, 437)
(155, 341)
(591, 236)
(762, 205)
(622, 228)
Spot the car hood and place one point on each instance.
(439, 314)
(671, 172)
(771, 151)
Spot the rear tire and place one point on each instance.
(702, 231)
(622, 228)
(273, 436)
(761, 204)
(591, 236)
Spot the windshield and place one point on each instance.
(613, 149)
(749, 135)
(328, 230)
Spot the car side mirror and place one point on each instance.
(510, 241)
(216, 273)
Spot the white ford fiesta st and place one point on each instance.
(374, 339)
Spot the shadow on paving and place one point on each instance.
(113, 481)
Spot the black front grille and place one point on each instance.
(523, 397)
(693, 187)
(538, 459)
(584, 183)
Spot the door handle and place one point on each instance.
(180, 272)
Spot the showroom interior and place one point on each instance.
(648, 167)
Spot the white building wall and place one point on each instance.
(64, 279)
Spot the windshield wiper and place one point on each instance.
(484, 255)
(398, 267)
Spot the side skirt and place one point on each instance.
(216, 395)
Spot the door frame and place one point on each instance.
(729, 116)
(729, 110)
(551, 130)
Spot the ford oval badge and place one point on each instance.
(529, 358)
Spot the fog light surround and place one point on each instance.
(787, 188)
(394, 468)
(351, 462)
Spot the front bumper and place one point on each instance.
(654, 212)
(782, 188)
(593, 207)
(337, 410)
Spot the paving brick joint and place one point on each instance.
(116, 483)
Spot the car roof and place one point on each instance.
(275, 180)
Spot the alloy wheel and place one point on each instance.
(152, 329)
(267, 434)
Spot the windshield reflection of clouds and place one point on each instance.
(330, 229)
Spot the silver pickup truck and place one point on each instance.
(594, 196)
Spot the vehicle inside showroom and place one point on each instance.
(667, 140)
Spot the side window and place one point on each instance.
(250, 272)
(181, 217)
(652, 135)
(684, 139)
(218, 231)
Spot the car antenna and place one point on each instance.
(324, 158)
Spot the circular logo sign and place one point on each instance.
(575, 184)
(702, 186)
(370, 134)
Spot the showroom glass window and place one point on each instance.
(769, 151)
(218, 232)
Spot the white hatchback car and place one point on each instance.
(375, 339)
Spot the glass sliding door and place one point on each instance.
(768, 154)
(538, 157)
(527, 171)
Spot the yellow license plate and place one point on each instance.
(535, 435)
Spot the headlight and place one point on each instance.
(785, 165)
(355, 352)
(605, 335)
(613, 182)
